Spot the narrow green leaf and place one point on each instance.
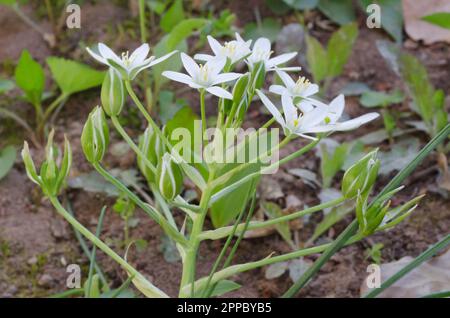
(29, 76)
(341, 12)
(441, 19)
(316, 57)
(173, 16)
(340, 48)
(7, 159)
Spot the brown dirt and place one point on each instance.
(36, 244)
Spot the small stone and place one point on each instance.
(32, 261)
(292, 202)
(45, 281)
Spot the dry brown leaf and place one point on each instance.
(417, 29)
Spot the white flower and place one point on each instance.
(261, 52)
(301, 88)
(204, 76)
(318, 119)
(234, 50)
(334, 112)
(128, 65)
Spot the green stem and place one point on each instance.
(203, 111)
(223, 232)
(235, 269)
(130, 142)
(60, 99)
(189, 262)
(148, 209)
(102, 246)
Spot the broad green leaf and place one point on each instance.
(173, 16)
(441, 19)
(341, 11)
(6, 85)
(355, 89)
(340, 48)
(316, 57)
(7, 159)
(273, 211)
(73, 77)
(376, 99)
(268, 28)
(8, 2)
(391, 16)
(302, 4)
(29, 76)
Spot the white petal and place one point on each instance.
(107, 53)
(290, 111)
(189, 65)
(262, 44)
(162, 58)
(285, 78)
(277, 89)
(178, 77)
(305, 106)
(220, 92)
(336, 108)
(203, 57)
(280, 59)
(139, 55)
(320, 129)
(216, 65)
(311, 90)
(314, 117)
(97, 56)
(226, 77)
(286, 69)
(272, 109)
(356, 122)
(216, 47)
(306, 136)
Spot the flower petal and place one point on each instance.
(162, 58)
(216, 47)
(277, 89)
(285, 78)
(280, 59)
(305, 106)
(290, 111)
(271, 107)
(226, 77)
(179, 77)
(107, 53)
(203, 57)
(312, 89)
(356, 122)
(139, 55)
(215, 66)
(336, 108)
(220, 92)
(96, 56)
(286, 69)
(189, 65)
(262, 44)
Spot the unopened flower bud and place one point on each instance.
(169, 177)
(95, 136)
(360, 176)
(112, 94)
(52, 177)
(153, 148)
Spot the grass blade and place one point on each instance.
(353, 227)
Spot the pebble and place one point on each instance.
(45, 280)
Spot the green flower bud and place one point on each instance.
(112, 94)
(361, 176)
(169, 177)
(153, 148)
(52, 177)
(95, 136)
